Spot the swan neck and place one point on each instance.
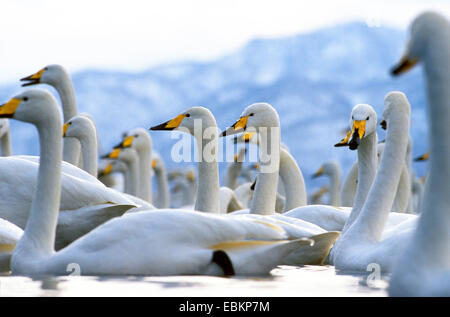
(89, 152)
(366, 169)
(162, 197)
(208, 189)
(294, 184)
(335, 184)
(264, 198)
(6, 144)
(145, 178)
(40, 231)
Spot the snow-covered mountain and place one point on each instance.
(313, 80)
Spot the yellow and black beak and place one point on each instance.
(239, 126)
(113, 154)
(65, 127)
(106, 171)
(353, 137)
(423, 157)
(171, 124)
(33, 79)
(126, 142)
(318, 173)
(8, 109)
(404, 65)
(246, 137)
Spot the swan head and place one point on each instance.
(4, 127)
(33, 106)
(254, 117)
(425, 27)
(327, 168)
(51, 75)
(395, 102)
(138, 139)
(78, 127)
(188, 120)
(363, 121)
(157, 162)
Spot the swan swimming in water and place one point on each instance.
(423, 268)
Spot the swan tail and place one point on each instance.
(263, 256)
(315, 255)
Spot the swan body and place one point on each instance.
(10, 234)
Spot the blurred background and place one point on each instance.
(139, 63)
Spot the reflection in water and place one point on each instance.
(289, 281)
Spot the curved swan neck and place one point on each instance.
(292, 178)
(367, 166)
(6, 144)
(39, 235)
(162, 198)
(377, 207)
(264, 197)
(208, 190)
(133, 173)
(89, 152)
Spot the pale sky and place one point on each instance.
(133, 35)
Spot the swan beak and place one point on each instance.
(8, 109)
(190, 176)
(239, 126)
(154, 162)
(106, 171)
(423, 157)
(171, 124)
(33, 79)
(65, 127)
(344, 141)
(113, 154)
(127, 141)
(353, 138)
(404, 65)
(318, 173)
(252, 187)
(383, 124)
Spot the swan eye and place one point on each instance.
(25, 98)
(136, 136)
(251, 114)
(367, 118)
(188, 115)
(353, 118)
(45, 68)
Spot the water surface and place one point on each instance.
(286, 281)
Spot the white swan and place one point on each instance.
(57, 77)
(362, 241)
(423, 269)
(333, 171)
(89, 200)
(83, 129)
(153, 243)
